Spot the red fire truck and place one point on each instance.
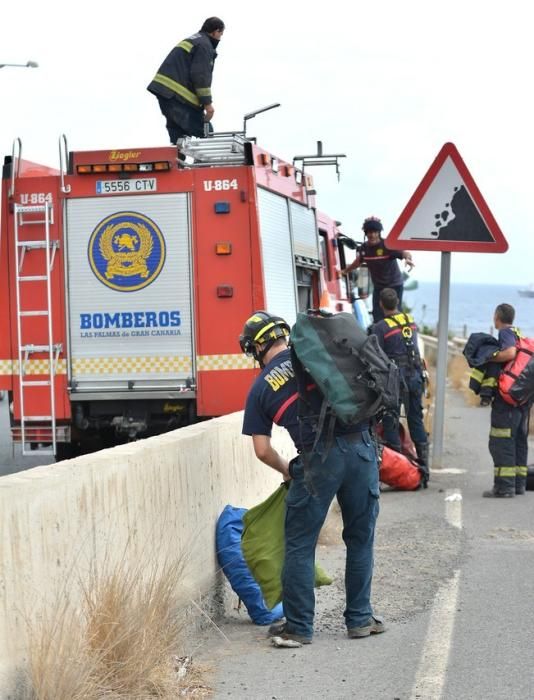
(127, 276)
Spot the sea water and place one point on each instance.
(471, 307)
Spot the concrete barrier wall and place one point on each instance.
(157, 497)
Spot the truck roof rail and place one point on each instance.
(226, 148)
(223, 148)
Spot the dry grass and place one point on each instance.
(59, 665)
(458, 373)
(122, 643)
(428, 400)
(133, 630)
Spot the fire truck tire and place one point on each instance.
(66, 450)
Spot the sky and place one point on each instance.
(385, 82)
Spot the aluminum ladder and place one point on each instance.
(226, 148)
(36, 428)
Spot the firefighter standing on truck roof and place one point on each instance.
(382, 263)
(182, 84)
(348, 469)
(508, 441)
(397, 336)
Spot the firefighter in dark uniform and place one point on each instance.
(397, 336)
(347, 469)
(182, 84)
(508, 441)
(381, 262)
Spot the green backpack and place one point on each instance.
(355, 376)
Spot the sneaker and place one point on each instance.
(374, 625)
(278, 629)
(498, 494)
(520, 492)
(291, 636)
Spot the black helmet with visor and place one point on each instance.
(264, 329)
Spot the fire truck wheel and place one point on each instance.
(66, 450)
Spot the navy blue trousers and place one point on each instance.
(350, 472)
(411, 397)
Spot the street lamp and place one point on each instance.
(29, 64)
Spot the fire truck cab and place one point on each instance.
(127, 276)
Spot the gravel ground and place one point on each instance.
(407, 556)
(423, 544)
(412, 558)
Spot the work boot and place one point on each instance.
(520, 485)
(277, 627)
(504, 484)
(374, 625)
(494, 493)
(422, 456)
(280, 630)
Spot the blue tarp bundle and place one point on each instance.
(228, 541)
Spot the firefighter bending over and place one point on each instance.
(397, 336)
(347, 469)
(182, 84)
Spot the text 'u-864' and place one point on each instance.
(220, 185)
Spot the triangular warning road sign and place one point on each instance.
(447, 212)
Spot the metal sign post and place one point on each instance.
(441, 364)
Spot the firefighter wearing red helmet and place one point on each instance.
(381, 262)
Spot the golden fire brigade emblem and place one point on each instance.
(380, 251)
(126, 251)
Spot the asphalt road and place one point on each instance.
(453, 579)
(11, 459)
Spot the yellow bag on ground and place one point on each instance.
(263, 546)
